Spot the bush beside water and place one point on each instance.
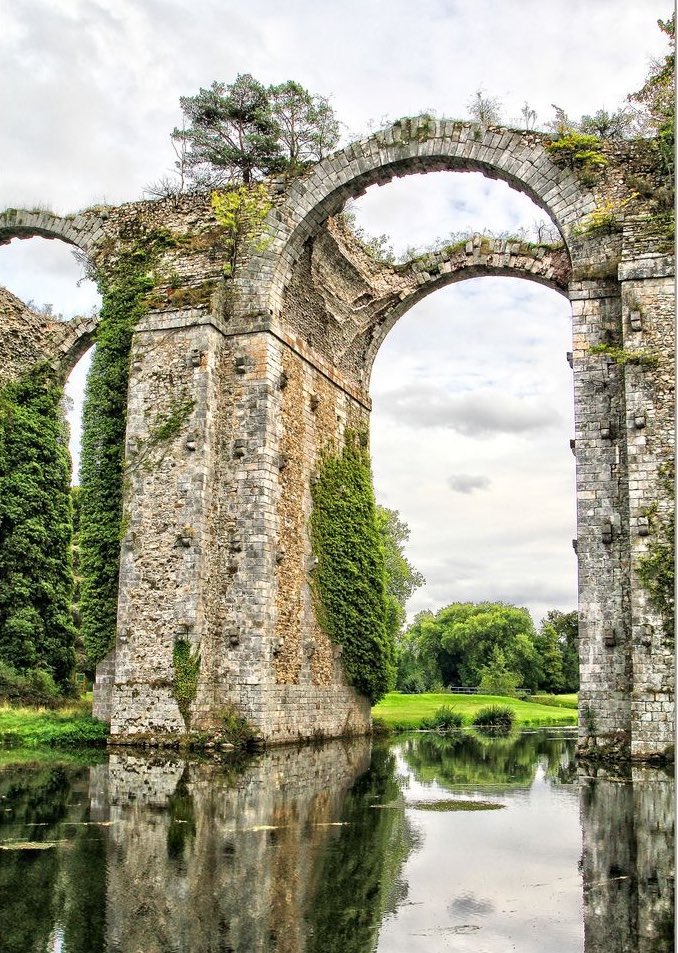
(496, 718)
(444, 719)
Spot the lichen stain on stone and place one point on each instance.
(291, 568)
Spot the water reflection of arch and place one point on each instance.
(298, 851)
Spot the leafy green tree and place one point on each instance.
(453, 646)
(562, 628)
(230, 133)
(496, 678)
(36, 627)
(551, 677)
(307, 128)
(402, 579)
(471, 632)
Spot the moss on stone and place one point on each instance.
(185, 681)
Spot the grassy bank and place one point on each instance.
(407, 711)
(557, 701)
(41, 727)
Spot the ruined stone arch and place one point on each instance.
(276, 361)
(408, 146)
(81, 230)
(29, 338)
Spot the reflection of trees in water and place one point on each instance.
(470, 760)
(357, 878)
(50, 890)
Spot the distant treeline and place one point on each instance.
(492, 646)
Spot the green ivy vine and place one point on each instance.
(349, 580)
(101, 464)
(36, 580)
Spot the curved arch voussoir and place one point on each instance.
(81, 230)
(407, 147)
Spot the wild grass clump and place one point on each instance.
(444, 719)
(39, 727)
(498, 719)
(236, 729)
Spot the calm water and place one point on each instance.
(421, 846)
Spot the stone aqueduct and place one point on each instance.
(277, 360)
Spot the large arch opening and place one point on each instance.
(471, 421)
(473, 407)
(472, 396)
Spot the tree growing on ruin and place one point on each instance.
(307, 128)
(230, 133)
(657, 99)
(239, 132)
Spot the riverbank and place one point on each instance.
(71, 726)
(408, 711)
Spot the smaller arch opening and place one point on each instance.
(425, 212)
(46, 272)
(48, 276)
(74, 397)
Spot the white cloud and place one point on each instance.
(479, 414)
(468, 483)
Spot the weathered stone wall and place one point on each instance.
(648, 296)
(168, 497)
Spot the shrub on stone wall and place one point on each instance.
(349, 579)
(186, 664)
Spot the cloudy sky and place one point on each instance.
(472, 392)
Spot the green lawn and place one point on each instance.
(558, 701)
(407, 711)
(36, 727)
